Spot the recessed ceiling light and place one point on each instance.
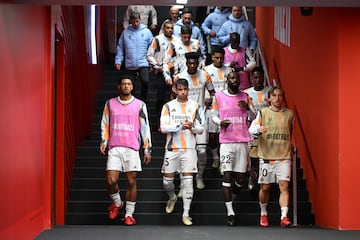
(181, 2)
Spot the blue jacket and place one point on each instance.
(133, 45)
(213, 22)
(196, 34)
(248, 38)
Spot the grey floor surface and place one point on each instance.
(149, 232)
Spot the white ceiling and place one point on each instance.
(307, 3)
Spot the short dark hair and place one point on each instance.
(125, 76)
(231, 73)
(217, 49)
(168, 21)
(134, 15)
(258, 69)
(182, 82)
(186, 10)
(234, 35)
(192, 55)
(186, 29)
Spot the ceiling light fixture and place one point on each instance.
(183, 2)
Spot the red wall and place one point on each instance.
(318, 72)
(349, 65)
(77, 82)
(25, 123)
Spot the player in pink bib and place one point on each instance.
(230, 112)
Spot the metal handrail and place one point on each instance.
(259, 54)
(263, 62)
(294, 189)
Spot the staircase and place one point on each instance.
(89, 198)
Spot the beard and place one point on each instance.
(126, 93)
(192, 71)
(234, 88)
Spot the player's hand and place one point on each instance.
(102, 149)
(187, 125)
(168, 81)
(233, 64)
(243, 104)
(208, 102)
(225, 123)
(262, 129)
(147, 158)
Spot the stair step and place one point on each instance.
(196, 207)
(152, 170)
(175, 219)
(148, 172)
(91, 151)
(157, 194)
(100, 161)
(144, 182)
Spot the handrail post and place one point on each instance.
(263, 62)
(294, 181)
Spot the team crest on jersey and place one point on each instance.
(190, 110)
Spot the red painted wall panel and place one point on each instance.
(27, 122)
(349, 165)
(25, 103)
(77, 84)
(314, 72)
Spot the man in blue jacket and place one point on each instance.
(132, 47)
(186, 18)
(238, 23)
(213, 23)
